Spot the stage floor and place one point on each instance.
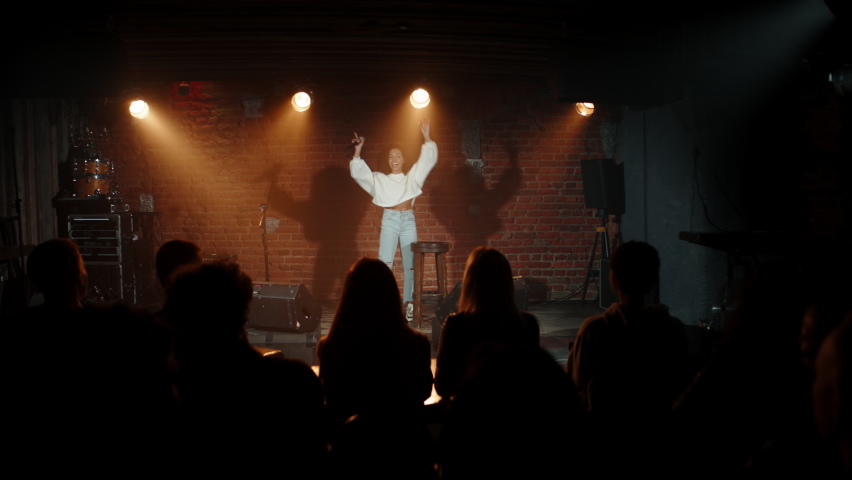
(559, 323)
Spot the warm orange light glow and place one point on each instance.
(301, 101)
(419, 98)
(586, 109)
(139, 109)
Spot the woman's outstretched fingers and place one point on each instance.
(424, 129)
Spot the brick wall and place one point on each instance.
(209, 166)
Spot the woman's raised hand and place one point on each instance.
(358, 142)
(424, 129)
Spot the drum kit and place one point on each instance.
(95, 178)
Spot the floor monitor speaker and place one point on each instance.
(283, 308)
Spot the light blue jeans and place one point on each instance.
(399, 228)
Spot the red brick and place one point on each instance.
(209, 191)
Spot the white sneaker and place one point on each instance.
(409, 312)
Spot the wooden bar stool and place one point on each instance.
(420, 249)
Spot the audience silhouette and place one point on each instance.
(831, 393)
(174, 255)
(487, 313)
(374, 367)
(371, 360)
(627, 363)
(189, 395)
(516, 414)
(57, 271)
(73, 397)
(754, 389)
(226, 386)
(631, 347)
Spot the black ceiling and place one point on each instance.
(592, 46)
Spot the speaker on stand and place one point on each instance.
(603, 188)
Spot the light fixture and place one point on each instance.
(139, 109)
(302, 101)
(183, 89)
(842, 80)
(419, 98)
(586, 109)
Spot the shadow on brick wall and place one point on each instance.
(469, 209)
(330, 217)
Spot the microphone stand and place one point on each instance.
(262, 225)
(264, 235)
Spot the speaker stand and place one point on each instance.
(600, 233)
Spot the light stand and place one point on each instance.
(599, 232)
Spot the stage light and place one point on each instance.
(842, 80)
(139, 109)
(302, 101)
(419, 98)
(586, 109)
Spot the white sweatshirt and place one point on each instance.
(391, 190)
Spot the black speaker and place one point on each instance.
(450, 304)
(603, 184)
(283, 308)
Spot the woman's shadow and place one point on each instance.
(471, 213)
(329, 216)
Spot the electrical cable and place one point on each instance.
(567, 296)
(697, 188)
(696, 152)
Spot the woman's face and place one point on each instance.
(395, 160)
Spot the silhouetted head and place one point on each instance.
(487, 284)
(211, 300)
(819, 320)
(56, 269)
(533, 390)
(173, 255)
(832, 389)
(370, 300)
(635, 268)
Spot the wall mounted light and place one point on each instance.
(586, 109)
(183, 89)
(842, 80)
(302, 101)
(419, 98)
(139, 109)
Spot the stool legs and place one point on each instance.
(420, 264)
(441, 266)
(420, 249)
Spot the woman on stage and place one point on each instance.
(395, 192)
